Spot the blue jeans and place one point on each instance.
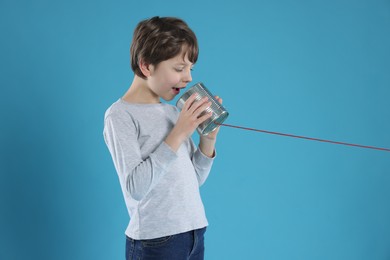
(183, 246)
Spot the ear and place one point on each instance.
(145, 68)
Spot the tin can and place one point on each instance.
(219, 113)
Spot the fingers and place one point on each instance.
(199, 110)
(203, 118)
(195, 107)
(218, 99)
(191, 104)
(198, 104)
(189, 101)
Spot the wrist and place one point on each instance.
(207, 146)
(207, 139)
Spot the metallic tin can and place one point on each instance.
(219, 112)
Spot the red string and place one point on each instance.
(308, 138)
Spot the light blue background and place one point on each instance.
(314, 68)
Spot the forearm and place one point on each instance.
(139, 176)
(207, 146)
(174, 140)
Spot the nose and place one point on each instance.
(187, 78)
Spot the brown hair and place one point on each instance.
(161, 38)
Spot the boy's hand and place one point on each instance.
(189, 119)
(207, 142)
(213, 135)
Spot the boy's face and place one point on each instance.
(169, 76)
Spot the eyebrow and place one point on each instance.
(185, 64)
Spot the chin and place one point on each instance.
(167, 99)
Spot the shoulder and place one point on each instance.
(118, 110)
(119, 118)
(139, 112)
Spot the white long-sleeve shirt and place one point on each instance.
(160, 186)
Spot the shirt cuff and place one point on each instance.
(202, 160)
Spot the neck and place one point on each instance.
(139, 92)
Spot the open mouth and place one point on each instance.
(176, 90)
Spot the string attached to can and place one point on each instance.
(220, 114)
(308, 138)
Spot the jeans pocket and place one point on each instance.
(155, 241)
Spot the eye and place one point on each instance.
(179, 69)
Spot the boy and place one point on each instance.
(159, 167)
